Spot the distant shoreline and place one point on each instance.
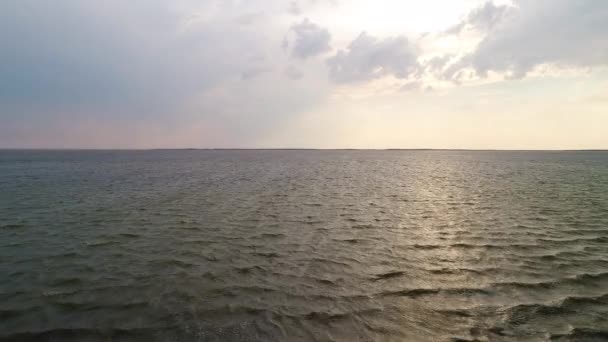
(305, 149)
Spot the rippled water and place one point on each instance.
(303, 246)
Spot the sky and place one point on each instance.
(508, 74)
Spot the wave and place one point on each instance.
(363, 226)
(270, 235)
(6, 314)
(429, 247)
(457, 271)
(578, 301)
(414, 293)
(80, 334)
(576, 240)
(520, 314)
(388, 275)
(325, 281)
(267, 254)
(87, 306)
(12, 226)
(174, 262)
(351, 241)
(582, 334)
(328, 317)
(66, 281)
(129, 235)
(249, 269)
(101, 243)
(581, 279)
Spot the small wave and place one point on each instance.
(466, 291)
(174, 262)
(66, 255)
(249, 269)
(267, 254)
(388, 275)
(582, 334)
(462, 270)
(76, 306)
(81, 334)
(429, 247)
(325, 281)
(576, 240)
(413, 293)
(12, 226)
(363, 226)
(325, 317)
(455, 312)
(520, 314)
(591, 277)
(484, 246)
(270, 235)
(351, 241)
(6, 314)
(582, 279)
(66, 282)
(234, 291)
(328, 317)
(129, 235)
(100, 243)
(575, 302)
(330, 261)
(58, 293)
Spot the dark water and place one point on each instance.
(303, 246)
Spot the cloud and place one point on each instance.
(132, 56)
(254, 72)
(367, 58)
(415, 85)
(297, 8)
(483, 18)
(437, 63)
(563, 33)
(294, 8)
(293, 73)
(310, 40)
(146, 64)
(250, 18)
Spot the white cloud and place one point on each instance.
(367, 58)
(218, 66)
(293, 73)
(563, 33)
(483, 18)
(309, 40)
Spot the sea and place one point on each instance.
(303, 245)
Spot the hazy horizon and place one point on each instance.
(297, 149)
(465, 74)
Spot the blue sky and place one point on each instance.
(521, 74)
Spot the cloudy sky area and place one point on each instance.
(509, 74)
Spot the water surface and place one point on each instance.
(303, 246)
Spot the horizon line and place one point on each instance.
(299, 149)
